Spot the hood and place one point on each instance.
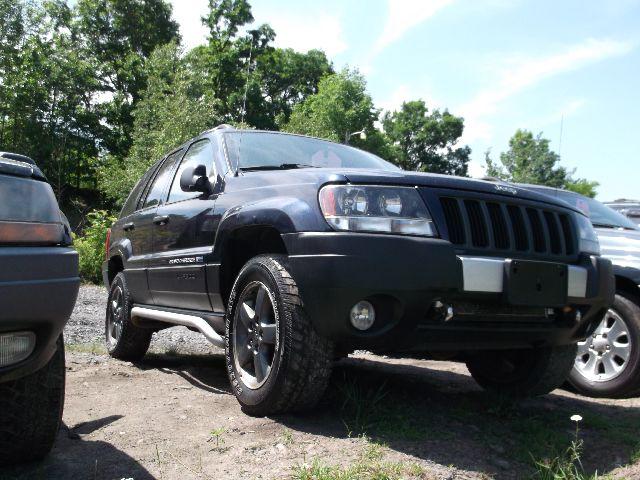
(622, 247)
(448, 181)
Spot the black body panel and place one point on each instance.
(403, 277)
(38, 289)
(176, 269)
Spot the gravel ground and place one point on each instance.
(172, 416)
(86, 326)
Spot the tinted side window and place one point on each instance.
(160, 182)
(133, 198)
(200, 153)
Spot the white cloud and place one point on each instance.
(403, 93)
(306, 31)
(403, 15)
(188, 14)
(394, 101)
(301, 30)
(566, 110)
(529, 72)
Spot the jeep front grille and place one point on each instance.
(507, 226)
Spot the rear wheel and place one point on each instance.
(608, 362)
(124, 340)
(522, 373)
(31, 411)
(275, 360)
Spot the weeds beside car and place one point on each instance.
(90, 245)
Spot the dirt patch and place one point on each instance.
(172, 417)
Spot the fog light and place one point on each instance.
(363, 315)
(15, 347)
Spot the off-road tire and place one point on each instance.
(31, 411)
(627, 384)
(302, 363)
(134, 341)
(522, 373)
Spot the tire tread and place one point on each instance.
(134, 341)
(31, 411)
(308, 355)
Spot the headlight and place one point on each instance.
(372, 208)
(587, 235)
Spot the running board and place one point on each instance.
(174, 318)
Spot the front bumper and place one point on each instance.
(38, 290)
(405, 277)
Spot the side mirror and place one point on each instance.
(194, 179)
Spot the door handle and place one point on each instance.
(161, 219)
(128, 226)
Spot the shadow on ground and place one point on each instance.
(75, 458)
(429, 411)
(443, 416)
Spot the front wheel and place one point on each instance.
(276, 362)
(608, 362)
(522, 373)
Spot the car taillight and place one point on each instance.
(30, 233)
(107, 243)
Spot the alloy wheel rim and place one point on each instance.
(605, 354)
(255, 335)
(115, 320)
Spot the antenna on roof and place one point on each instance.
(246, 85)
(244, 105)
(560, 140)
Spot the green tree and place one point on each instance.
(120, 35)
(582, 186)
(46, 85)
(256, 83)
(530, 160)
(426, 141)
(174, 108)
(70, 77)
(341, 108)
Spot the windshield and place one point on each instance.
(266, 150)
(600, 214)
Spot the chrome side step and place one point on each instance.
(174, 318)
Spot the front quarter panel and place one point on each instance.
(288, 203)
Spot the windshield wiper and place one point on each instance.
(282, 166)
(606, 225)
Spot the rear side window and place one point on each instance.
(200, 153)
(159, 184)
(134, 197)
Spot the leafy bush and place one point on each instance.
(90, 245)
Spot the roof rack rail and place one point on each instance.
(17, 157)
(222, 126)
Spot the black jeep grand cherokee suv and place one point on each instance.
(290, 251)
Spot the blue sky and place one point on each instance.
(501, 64)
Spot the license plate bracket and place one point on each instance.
(532, 283)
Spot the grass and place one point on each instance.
(369, 466)
(95, 348)
(534, 438)
(568, 465)
(287, 437)
(216, 435)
